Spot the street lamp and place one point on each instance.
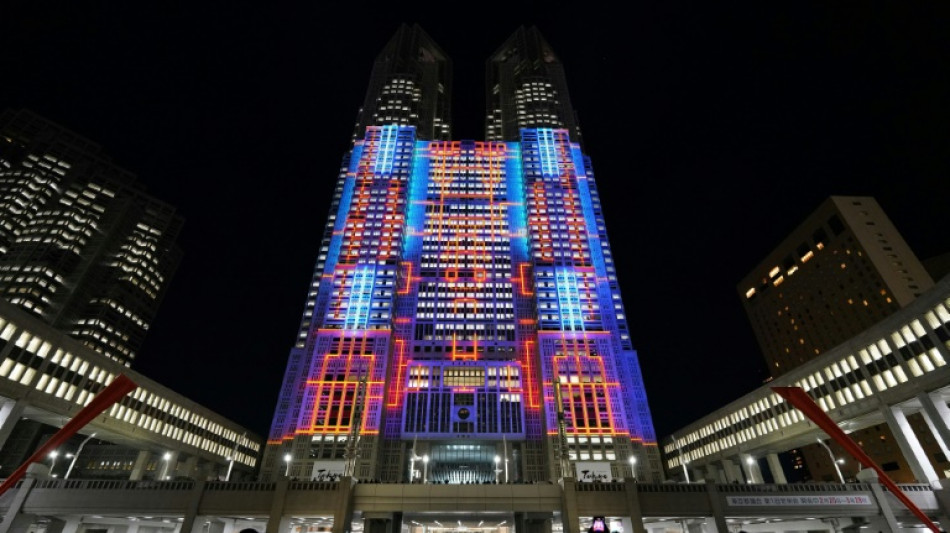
(167, 457)
(52, 464)
(425, 469)
(750, 461)
(633, 467)
(287, 458)
(834, 460)
(497, 469)
(685, 470)
(412, 462)
(76, 455)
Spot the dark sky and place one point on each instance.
(713, 129)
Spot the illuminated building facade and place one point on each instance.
(464, 323)
(843, 270)
(82, 247)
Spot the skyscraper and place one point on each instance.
(464, 321)
(526, 88)
(842, 270)
(82, 246)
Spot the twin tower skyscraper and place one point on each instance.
(464, 321)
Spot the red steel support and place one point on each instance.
(803, 402)
(114, 392)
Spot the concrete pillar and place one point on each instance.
(729, 469)
(19, 523)
(910, 447)
(276, 521)
(382, 522)
(14, 521)
(937, 415)
(519, 525)
(775, 468)
(55, 525)
(697, 475)
(191, 523)
(715, 504)
(215, 525)
(869, 476)
(10, 414)
(376, 525)
(227, 525)
(281, 524)
(569, 515)
(188, 469)
(633, 506)
(714, 474)
(69, 524)
(343, 514)
(531, 523)
(138, 468)
(133, 527)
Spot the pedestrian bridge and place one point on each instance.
(86, 506)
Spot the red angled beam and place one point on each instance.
(803, 402)
(114, 392)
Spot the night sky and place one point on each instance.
(714, 130)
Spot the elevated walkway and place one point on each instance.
(71, 506)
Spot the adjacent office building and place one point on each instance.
(82, 247)
(464, 322)
(844, 269)
(86, 257)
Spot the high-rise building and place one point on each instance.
(410, 85)
(464, 321)
(842, 270)
(526, 88)
(81, 245)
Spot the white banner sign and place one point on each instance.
(859, 499)
(593, 471)
(327, 470)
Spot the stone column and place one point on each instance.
(775, 468)
(715, 503)
(633, 506)
(14, 521)
(910, 447)
(569, 517)
(869, 476)
(714, 474)
(64, 524)
(138, 468)
(10, 414)
(216, 525)
(937, 415)
(730, 470)
(276, 521)
(189, 467)
(344, 511)
(191, 523)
